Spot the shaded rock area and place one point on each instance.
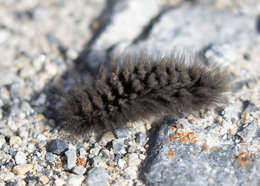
(47, 46)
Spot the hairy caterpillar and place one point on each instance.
(140, 87)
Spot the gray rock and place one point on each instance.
(15, 111)
(193, 28)
(26, 108)
(237, 86)
(248, 106)
(16, 89)
(97, 177)
(9, 76)
(75, 180)
(94, 151)
(105, 153)
(98, 161)
(124, 13)
(118, 146)
(80, 170)
(248, 131)
(40, 100)
(31, 148)
(57, 146)
(11, 183)
(9, 150)
(71, 158)
(191, 166)
(122, 133)
(50, 157)
(45, 171)
(141, 138)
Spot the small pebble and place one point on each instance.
(9, 150)
(94, 151)
(79, 170)
(142, 156)
(44, 179)
(40, 101)
(9, 164)
(219, 120)
(122, 133)
(59, 182)
(11, 183)
(45, 171)
(26, 108)
(75, 180)
(248, 106)
(105, 153)
(72, 53)
(22, 169)
(97, 177)
(41, 137)
(82, 152)
(6, 132)
(71, 158)
(30, 147)
(8, 75)
(23, 132)
(118, 146)
(133, 160)
(15, 140)
(39, 13)
(51, 68)
(50, 157)
(131, 171)
(107, 137)
(245, 116)
(141, 138)
(2, 141)
(57, 146)
(121, 163)
(20, 158)
(98, 162)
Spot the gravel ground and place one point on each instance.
(42, 44)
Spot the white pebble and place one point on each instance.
(59, 182)
(131, 171)
(75, 180)
(121, 163)
(20, 158)
(133, 160)
(2, 141)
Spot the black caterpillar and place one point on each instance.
(140, 87)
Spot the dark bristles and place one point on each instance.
(136, 88)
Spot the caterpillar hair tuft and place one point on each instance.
(139, 87)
